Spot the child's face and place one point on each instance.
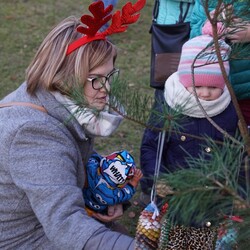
(206, 93)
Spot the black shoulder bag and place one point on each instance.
(166, 45)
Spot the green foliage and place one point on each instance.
(210, 187)
(240, 51)
(243, 229)
(136, 103)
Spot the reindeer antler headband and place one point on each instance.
(120, 22)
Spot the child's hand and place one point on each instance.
(136, 178)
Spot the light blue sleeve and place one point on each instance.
(169, 11)
(199, 17)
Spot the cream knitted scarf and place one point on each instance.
(102, 123)
(177, 97)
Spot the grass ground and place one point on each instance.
(24, 24)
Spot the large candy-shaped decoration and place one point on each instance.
(149, 227)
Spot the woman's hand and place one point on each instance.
(114, 212)
(241, 34)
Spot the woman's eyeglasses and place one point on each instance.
(99, 82)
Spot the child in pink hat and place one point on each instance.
(199, 72)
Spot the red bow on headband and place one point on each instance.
(120, 22)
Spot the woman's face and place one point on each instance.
(97, 87)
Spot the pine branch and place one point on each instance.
(213, 20)
(208, 187)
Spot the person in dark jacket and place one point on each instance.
(179, 97)
(47, 137)
(167, 12)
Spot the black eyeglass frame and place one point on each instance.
(107, 77)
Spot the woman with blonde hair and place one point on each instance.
(47, 138)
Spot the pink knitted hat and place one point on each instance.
(208, 73)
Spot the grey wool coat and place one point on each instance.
(41, 177)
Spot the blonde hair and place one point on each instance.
(52, 70)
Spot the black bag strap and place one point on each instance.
(156, 10)
(181, 16)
